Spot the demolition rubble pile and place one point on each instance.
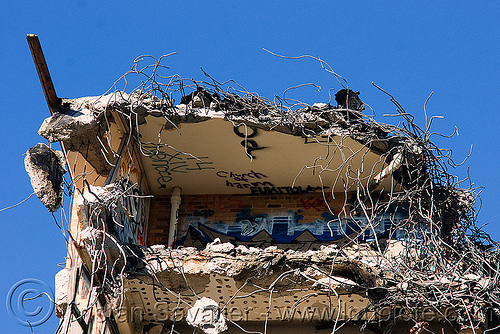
(443, 261)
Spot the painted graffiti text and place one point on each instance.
(259, 190)
(244, 180)
(316, 203)
(168, 163)
(241, 177)
(249, 144)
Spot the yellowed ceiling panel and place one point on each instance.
(212, 157)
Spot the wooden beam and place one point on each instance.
(43, 72)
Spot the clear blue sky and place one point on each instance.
(409, 48)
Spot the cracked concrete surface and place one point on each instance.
(46, 168)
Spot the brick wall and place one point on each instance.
(224, 212)
(159, 218)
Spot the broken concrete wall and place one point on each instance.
(82, 124)
(80, 127)
(206, 315)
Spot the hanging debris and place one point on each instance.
(206, 315)
(46, 168)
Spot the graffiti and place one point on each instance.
(382, 224)
(244, 180)
(168, 163)
(263, 230)
(250, 225)
(254, 133)
(250, 145)
(287, 230)
(130, 214)
(263, 190)
(316, 203)
(241, 177)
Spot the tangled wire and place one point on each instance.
(446, 261)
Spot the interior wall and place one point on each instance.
(259, 220)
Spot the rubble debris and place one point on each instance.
(348, 99)
(91, 236)
(77, 126)
(207, 316)
(109, 203)
(267, 264)
(198, 99)
(61, 291)
(74, 122)
(218, 247)
(46, 168)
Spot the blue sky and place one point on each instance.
(410, 49)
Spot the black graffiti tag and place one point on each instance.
(166, 164)
(250, 145)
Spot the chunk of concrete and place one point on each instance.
(206, 315)
(68, 125)
(46, 168)
(78, 126)
(61, 295)
(217, 247)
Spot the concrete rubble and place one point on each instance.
(61, 292)
(77, 120)
(93, 202)
(77, 125)
(266, 265)
(46, 168)
(345, 271)
(207, 316)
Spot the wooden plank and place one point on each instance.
(43, 72)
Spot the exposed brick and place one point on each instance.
(225, 208)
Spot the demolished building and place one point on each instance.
(230, 212)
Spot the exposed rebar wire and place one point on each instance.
(446, 260)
